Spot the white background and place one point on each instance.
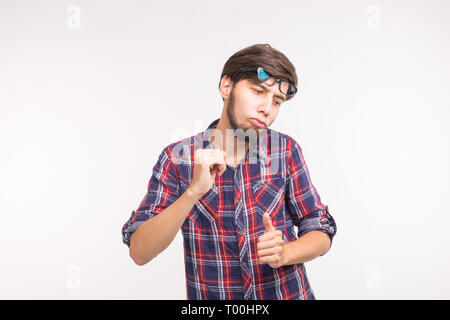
(92, 91)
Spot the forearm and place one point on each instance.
(306, 248)
(155, 235)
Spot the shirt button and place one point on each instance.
(240, 233)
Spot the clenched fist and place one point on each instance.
(270, 245)
(207, 163)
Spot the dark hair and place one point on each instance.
(270, 59)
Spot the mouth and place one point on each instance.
(258, 123)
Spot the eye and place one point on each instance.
(257, 91)
(277, 103)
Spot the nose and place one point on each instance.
(265, 105)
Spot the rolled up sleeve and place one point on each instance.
(162, 191)
(303, 202)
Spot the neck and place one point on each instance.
(234, 148)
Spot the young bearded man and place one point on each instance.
(236, 191)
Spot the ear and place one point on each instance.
(225, 87)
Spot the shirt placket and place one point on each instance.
(243, 241)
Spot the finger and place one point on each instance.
(212, 170)
(221, 167)
(224, 155)
(266, 236)
(219, 161)
(213, 155)
(270, 251)
(277, 241)
(208, 158)
(203, 157)
(274, 259)
(268, 222)
(198, 156)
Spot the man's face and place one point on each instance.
(249, 100)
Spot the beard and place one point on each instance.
(231, 112)
(238, 130)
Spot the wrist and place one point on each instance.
(285, 255)
(193, 194)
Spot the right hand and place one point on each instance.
(207, 163)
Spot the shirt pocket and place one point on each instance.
(204, 212)
(268, 195)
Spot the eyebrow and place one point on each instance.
(265, 88)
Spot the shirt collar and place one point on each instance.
(257, 148)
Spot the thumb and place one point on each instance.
(268, 222)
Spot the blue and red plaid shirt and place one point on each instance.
(221, 231)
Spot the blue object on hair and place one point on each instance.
(262, 74)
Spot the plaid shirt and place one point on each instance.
(221, 231)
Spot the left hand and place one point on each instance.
(270, 245)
